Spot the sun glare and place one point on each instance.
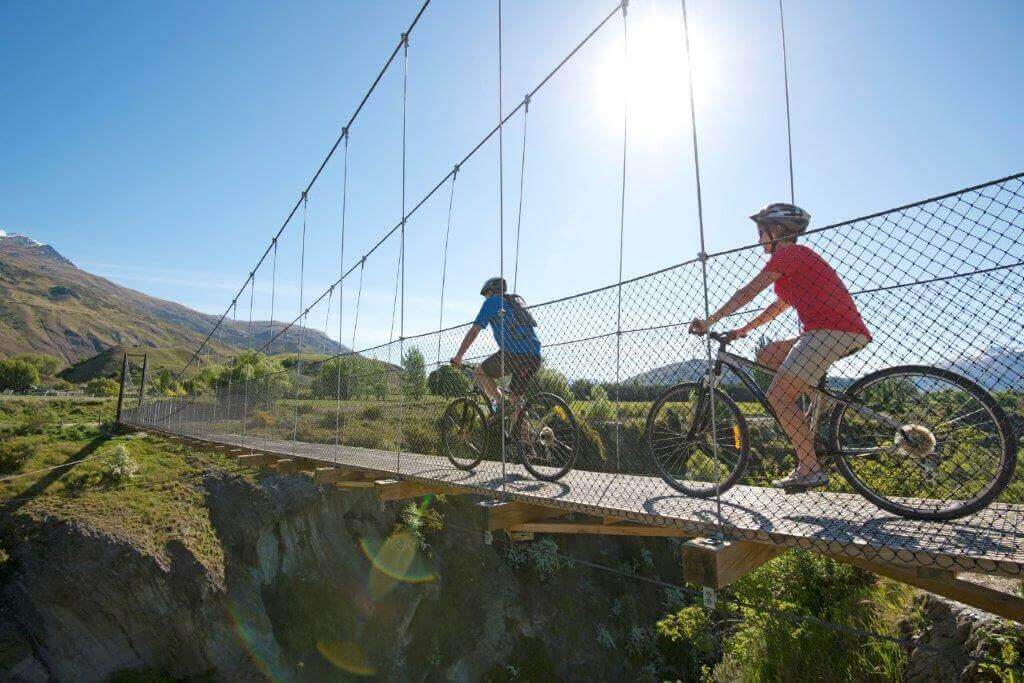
(654, 78)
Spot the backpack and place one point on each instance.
(523, 317)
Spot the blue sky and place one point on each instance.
(162, 145)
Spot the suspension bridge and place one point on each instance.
(939, 282)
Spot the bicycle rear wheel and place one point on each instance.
(463, 433)
(679, 440)
(547, 437)
(931, 444)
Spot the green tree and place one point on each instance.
(46, 365)
(340, 375)
(17, 375)
(550, 381)
(266, 377)
(581, 388)
(414, 374)
(449, 382)
(102, 386)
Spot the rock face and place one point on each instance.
(298, 599)
(951, 634)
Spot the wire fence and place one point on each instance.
(920, 460)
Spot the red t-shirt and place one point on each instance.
(810, 285)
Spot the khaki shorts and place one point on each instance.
(816, 350)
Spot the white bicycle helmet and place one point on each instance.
(791, 218)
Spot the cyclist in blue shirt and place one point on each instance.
(518, 346)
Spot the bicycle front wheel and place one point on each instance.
(679, 440)
(922, 442)
(463, 432)
(547, 437)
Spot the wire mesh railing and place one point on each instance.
(938, 283)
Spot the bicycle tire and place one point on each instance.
(455, 413)
(570, 432)
(995, 486)
(740, 435)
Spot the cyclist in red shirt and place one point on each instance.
(831, 328)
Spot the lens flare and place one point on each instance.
(395, 560)
(347, 656)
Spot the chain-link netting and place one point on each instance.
(908, 456)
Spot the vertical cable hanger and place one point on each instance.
(302, 313)
(789, 130)
(703, 259)
(522, 179)
(501, 236)
(273, 292)
(245, 405)
(622, 232)
(359, 298)
(341, 287)
(444, 262)
(401, 259)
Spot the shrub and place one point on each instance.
(550, 381)
(581, 389)
(78, 432)
(419, 518)
(119, 467)
(46, 365)
(35, 422)
(13, 455)
(102, 386)
(305, 408)
(262, 418)
(372, 413)
(600, 409)
(448, 382)
(17, 375)
(419, 439)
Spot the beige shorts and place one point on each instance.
(816, 350)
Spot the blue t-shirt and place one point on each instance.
(511, 336)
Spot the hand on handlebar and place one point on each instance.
(456, 362)
(699, 327)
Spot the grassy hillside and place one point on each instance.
(48, 305)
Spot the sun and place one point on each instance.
(654, 78)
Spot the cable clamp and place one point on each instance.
(344, 132)
(455, 171)
(702, 257)
(526, 102)
(405, 40)
(625, 6)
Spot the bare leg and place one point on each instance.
(489, 386)
(783, 395)
(776, 352)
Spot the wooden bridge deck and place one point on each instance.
(990, 542)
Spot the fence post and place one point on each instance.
(142, 383)
(120, 393)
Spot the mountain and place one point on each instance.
(49, 305)
(673, 373)
(995, 368)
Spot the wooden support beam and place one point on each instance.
(286, 466)
(519, 536)
(716, 563)
(393, 489)
(496, 515)
(330, 475)
(598, 529)
(256, 459)
(990, 600)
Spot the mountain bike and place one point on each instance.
(917, 441)
(544, 435)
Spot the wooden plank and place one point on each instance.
(519, 536)
(715, 563)
(496, 515)
(990, 600)
(256, 459)
(329, 475)
(598, 529)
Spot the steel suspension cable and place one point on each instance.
(273, 292)
(522, 179)
(789, 130)
(444, 262)
(302, 281)
(323, 164)
(703, 264)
